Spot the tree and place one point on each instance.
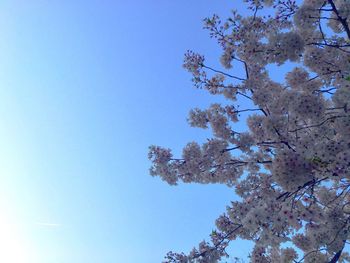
(291, 166)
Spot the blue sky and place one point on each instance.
(86, 87)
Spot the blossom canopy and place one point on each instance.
(291, 166)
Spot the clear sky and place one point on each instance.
(86, 87)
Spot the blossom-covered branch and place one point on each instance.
(290, 167)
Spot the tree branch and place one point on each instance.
(341, 20)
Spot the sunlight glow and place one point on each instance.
(12, 245)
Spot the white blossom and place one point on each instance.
(289, 164)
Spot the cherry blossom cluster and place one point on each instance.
(290, 167)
